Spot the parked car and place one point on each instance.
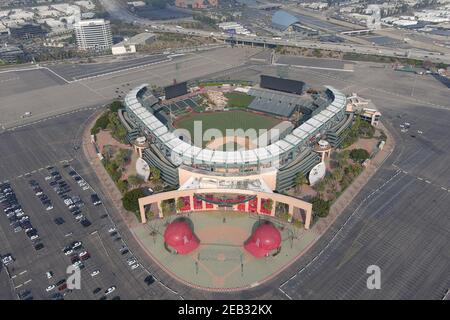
(95, 199)
(110, 290)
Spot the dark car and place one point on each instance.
(149, 280)
(96, 290)
(59, 221)
(74, 259)
(60, 282)
(24, 294)
(85, 222)
(38, 246)
(57, 296)
(95, 199)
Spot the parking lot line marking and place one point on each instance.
(28, 281)
(17, 287)
(23, 272)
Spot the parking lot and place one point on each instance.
(44, 244)
(60, 212)
(72, 72)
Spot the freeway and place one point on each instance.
(118, 11)
(342, 47)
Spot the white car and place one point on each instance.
(134, 266)
(68, 252)
(20, 214)
(77, 264)
(68, 202)
(131, 262)
(111, 230)
(419, 132)
(94, 273)
(49, 274)
(77, 245)
(83, 253)
(50, 288)
(86, 187)
(79, 217)
(110, 290)
(34, 237)
(49, 208)
(48, 178)
(7, 259)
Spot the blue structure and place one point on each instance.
(282, 20)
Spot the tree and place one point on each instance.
(135, 181)
(359, 155)
(101, 123)
(180, 204)
(300, 180)
(337, 175)
(268, 205)
(166, 207)
(123, 156)
(130, 199)
(320, 186)
(365, 129)
(115, 106)
(122, 185)
(156, 173)
(320, 207)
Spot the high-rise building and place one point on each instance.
(93, 34)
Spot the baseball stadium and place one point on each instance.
(232, 147)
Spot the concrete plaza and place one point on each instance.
(221, 263)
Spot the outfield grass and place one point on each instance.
(226, 120)
(238, 100)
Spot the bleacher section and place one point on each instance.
(278, 104)
(283, 85)
(285, 104)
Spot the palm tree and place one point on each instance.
(300, 180)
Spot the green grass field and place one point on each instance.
(238, 100)
(227, 120)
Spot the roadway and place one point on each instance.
(117, 10)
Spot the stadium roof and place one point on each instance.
(189, 154)
(282, 20)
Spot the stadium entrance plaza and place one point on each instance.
(220, 262)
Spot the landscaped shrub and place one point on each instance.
(359, 155)
(130, 199)
(321, 207)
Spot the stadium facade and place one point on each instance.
(262, 173)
